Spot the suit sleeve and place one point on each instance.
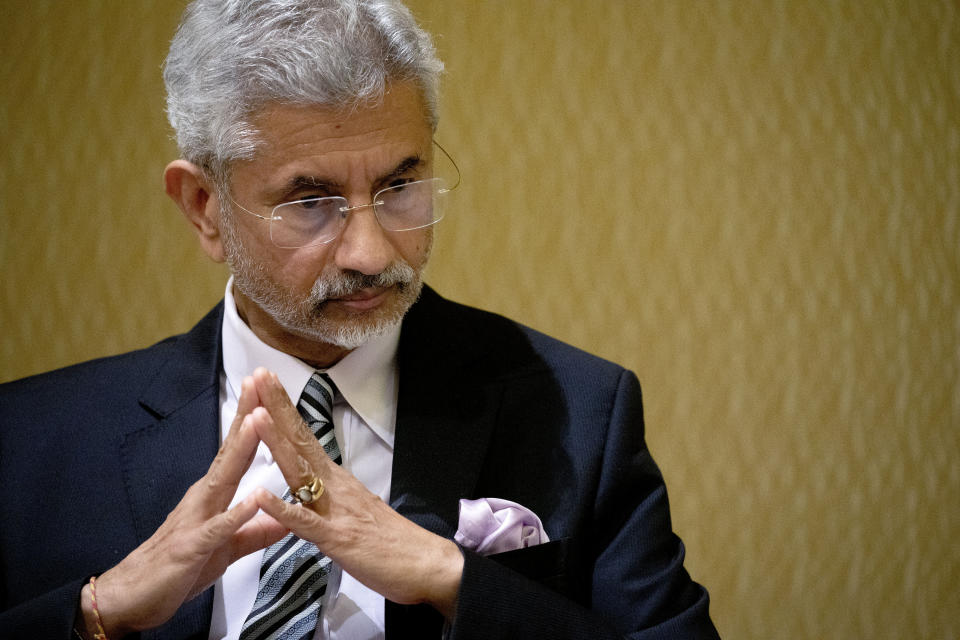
(50, 615)
(638, 587)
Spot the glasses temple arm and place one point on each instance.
(245, 210)
(439, 146)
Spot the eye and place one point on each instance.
(312, 207)
(310, 202)
(397, 184)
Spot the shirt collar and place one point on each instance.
(366, 377)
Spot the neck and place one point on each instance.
(316, 353)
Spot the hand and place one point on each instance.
(388, 553)
(196, 542)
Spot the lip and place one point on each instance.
(364, 299)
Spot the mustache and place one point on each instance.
(343, 283)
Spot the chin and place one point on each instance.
(351, 336)
(350, 330)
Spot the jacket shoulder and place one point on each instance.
(496, 344)
(108, 378)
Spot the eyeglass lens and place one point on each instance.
(405, 207)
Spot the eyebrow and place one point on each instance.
(314, 182)
(411, 162)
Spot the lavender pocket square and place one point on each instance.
(493, 525)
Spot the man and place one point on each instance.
(308, 165)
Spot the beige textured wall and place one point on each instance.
(752, 204)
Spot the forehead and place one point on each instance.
(339, 144)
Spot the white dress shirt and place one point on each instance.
(364, 419)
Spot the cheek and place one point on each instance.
(250, 239)
(414, 246)
(298, 269)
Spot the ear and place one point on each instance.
(188, 187)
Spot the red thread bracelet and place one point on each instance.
(100, 634)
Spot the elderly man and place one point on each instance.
(334, 451)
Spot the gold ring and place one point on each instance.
(308, 492)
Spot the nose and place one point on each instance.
(363, 245)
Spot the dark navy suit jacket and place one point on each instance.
(94, 456)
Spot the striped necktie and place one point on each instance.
(293, 575)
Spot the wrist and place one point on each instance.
(87, 623)
(94, 620)
(445, 582)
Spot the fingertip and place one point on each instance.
(240, 513)
(266, 383)
(248, 386)
(250, 422)
(244, 505)
(261, 531)
(260, 495)
(249, 398)
(260, 415)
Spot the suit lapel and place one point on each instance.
(442, 438)
(174, 446)
(445, 416)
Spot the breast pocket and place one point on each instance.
(555, 564)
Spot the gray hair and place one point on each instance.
(230, 58)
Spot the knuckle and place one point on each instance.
(211, 484)
(303, 514)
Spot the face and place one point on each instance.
(315, 302)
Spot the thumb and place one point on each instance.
(259, 533)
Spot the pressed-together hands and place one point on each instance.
(201, 536)
(388, 553)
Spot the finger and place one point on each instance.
(309, 458)
(230, 536)
(304, 523)
(258, 533)
(220, 529)
(299, 462)
(247, 401)
(245, 404)
(220, 482)
(275, 400)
